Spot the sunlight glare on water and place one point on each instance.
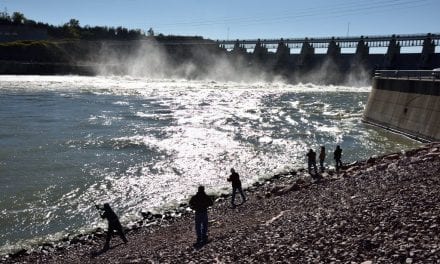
(68, 142)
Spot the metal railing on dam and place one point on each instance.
(412, 40)
(409, 74)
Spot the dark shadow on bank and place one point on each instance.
(98, 253)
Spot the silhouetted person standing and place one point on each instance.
(200, 203)
(337, 155)
(113, 224)
(311, 158)
(234, 178)
(322, 158)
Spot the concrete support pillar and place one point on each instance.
(282, 58)
(332, 65)
(427, 52)
(360, 60)
(238, 48)
(393, 52)
(238, 56)
(362, 49)
(333, 50)
(282, 53)
(306, 54)
(260, 51)
(360, 65)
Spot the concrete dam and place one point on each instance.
(407, 102)
(332, 65)
(318, 60)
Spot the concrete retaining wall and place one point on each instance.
(409, 106)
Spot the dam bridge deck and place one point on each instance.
(413, 40)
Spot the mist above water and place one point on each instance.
(153, 60)
(209, 62)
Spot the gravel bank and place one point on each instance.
(381, 210)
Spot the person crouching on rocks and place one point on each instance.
(113, 224)
(234, 178)
(200, 203)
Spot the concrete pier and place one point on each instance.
(393, 52)
(406, 104)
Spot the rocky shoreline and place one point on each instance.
(382, 210)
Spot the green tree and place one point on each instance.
(5, 18)
(73, 23)
(18, 18)
(72, 28)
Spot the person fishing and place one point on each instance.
(234, 178)
(113, 224)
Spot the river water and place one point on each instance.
(69, 142)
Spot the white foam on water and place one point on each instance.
(125, 85)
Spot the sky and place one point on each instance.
(242, 19)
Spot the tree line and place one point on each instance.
(73, 29)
